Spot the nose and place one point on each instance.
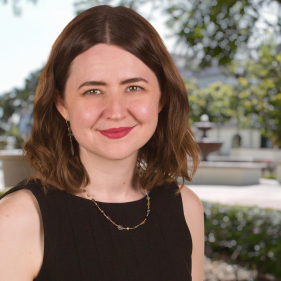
(116, 107)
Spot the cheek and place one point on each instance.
(146, 111)
(84, 117)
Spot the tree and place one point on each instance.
(16, 7)
(216, 100)
(260, 90)
(255, 100)
(222, 29)
(207, 29)
(13, 104)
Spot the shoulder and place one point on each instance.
(20, 235)
(20, 205)
(193, 211)
(190, 200)
(194, 216)
(18, 196)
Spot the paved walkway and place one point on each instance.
(267, 194)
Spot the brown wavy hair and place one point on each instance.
(171, 152)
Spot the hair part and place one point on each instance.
(164, 157)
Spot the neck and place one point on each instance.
(111, 180)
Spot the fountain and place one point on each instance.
(222, 171)
(206, 144)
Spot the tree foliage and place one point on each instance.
(222, 29)
(14, 104)
(207, 29)
(255, 100)
(16, 5)
(260, 89)
(216, 100)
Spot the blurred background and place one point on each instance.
(229, 55)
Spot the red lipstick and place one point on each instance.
(116, 133)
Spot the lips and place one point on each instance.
(116, 133)
(115, 130)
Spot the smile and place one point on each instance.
(116, 133)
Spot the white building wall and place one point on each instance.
(250, 138)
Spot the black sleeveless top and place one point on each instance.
(81, 245)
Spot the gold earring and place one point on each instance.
(70, 134)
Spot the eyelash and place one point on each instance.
(128, 87)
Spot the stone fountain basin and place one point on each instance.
(210, 146)
(227, 173)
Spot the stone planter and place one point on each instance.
(15, 167)
(228, 173)
(278, 172)
(271, 153)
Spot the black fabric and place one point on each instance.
(81, 245)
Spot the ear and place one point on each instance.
(162, 102)
(60, 105)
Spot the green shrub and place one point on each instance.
(268, 176)
(5, 190)
(250, 236)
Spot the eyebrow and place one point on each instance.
(101, 83)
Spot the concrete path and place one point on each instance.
(267, 194)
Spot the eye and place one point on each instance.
(136, 87)
(92, 91)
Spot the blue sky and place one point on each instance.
(25, 41)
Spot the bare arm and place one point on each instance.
(194, 216)
(21, 239)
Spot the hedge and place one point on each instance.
(249, 236)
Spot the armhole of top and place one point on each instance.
(46, 271)
(180, 210)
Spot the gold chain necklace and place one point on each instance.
(119, 226)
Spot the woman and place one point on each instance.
(110, 137)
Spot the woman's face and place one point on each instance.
(98, 97)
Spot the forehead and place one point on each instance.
(108, 62)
